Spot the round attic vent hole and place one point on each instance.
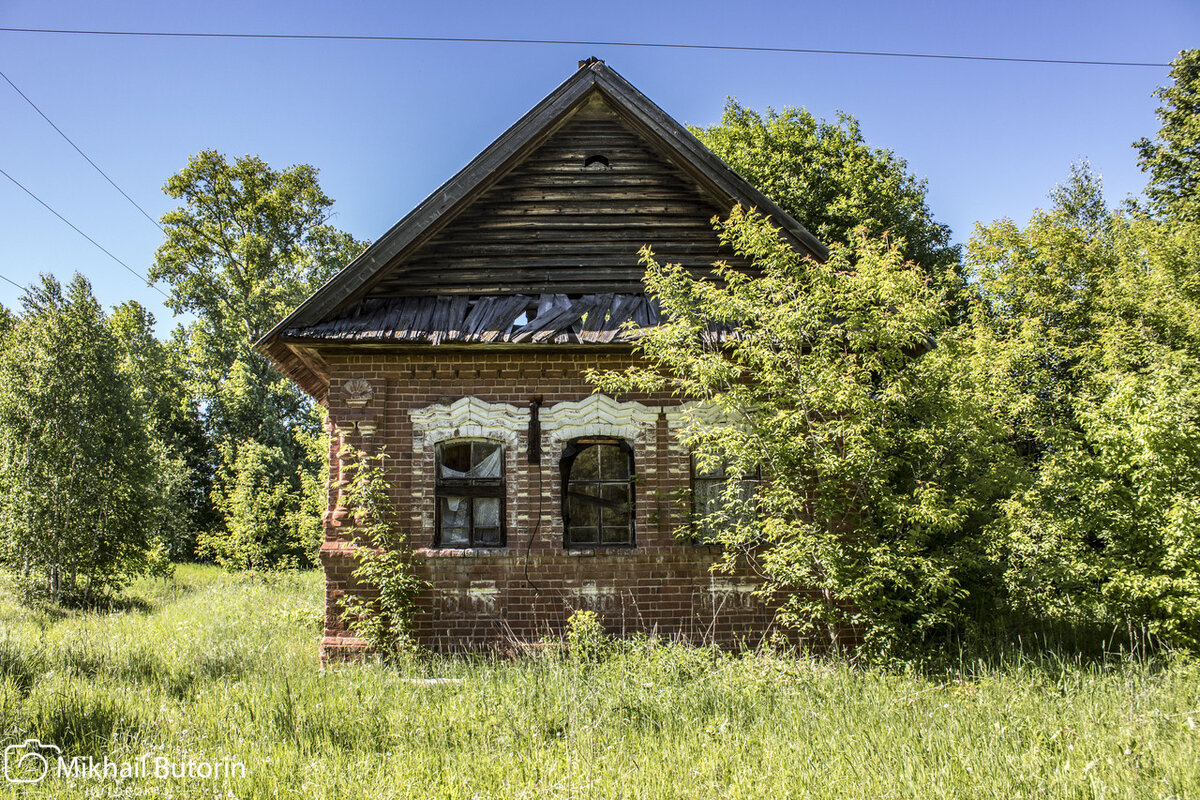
(596, 163)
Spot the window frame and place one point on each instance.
(471, 488)
(703, 536)
(571, 450)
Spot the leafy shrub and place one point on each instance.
(586, 639)
(258, 493)
(384, 617)
(1089, 320)
(880, 457)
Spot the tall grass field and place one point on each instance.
(208, 685)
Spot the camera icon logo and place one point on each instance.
(28, 762)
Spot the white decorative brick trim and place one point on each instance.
(598, 415)
(469, 418)
(700, 413)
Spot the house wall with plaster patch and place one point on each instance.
(404, 404)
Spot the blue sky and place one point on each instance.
(387, 123)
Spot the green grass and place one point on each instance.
(213, 665)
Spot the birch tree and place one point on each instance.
(77, 470)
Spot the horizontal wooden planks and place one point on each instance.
(551, 225)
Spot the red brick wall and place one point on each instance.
(493, 596)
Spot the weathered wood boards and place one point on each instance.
(538, 240)
(556, 224)
(514, 319)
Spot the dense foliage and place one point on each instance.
(160, 376)
(83, 491)
(1091, 323)
(881, 460)
(1034, 459)
(248, 244)
(826, 175)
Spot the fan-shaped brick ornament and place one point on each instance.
(358, 392)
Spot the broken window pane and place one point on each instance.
(456, 458)
(470, 492)
(471, 460)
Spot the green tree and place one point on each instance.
(1090, 323)
(256, 496)
(826, 176)
(1172, 159)
(247, 244)
(160, 375)
(881, 458)
(8, 321)
(1040, 290)
(77, 469)
(1090, 320)
(272, 508)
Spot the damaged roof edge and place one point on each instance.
(592, 74)
(450, 193)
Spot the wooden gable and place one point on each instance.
(571, 218)
(537, 236)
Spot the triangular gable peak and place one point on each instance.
(569, 218)
(544, 225)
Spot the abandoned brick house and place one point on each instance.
(458, 343)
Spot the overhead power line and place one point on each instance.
(583, 43)
(14, 283)
(77, 150)
(84, 235)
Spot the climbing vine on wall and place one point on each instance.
(384, 615)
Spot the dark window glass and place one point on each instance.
(708, 495)
(470, 494)
(598, 492)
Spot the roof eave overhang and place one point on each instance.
(346, 346)
(456, 192)
(490, 165)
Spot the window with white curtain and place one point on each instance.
(470, 494)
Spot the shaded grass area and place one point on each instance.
(223, 668)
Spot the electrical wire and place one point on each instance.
(463, 40)
(583, 43)
(14, 283)
(536, 529)
(77, 150)
(84, 235)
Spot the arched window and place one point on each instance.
(470, 494)
(597, 479)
